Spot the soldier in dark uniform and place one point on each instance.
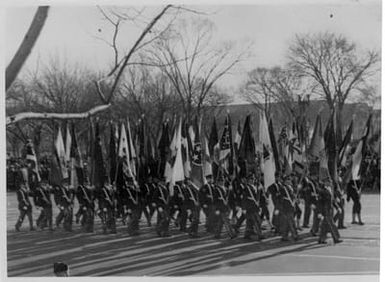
(340, 207)
(25, 207)
(160, 201)
(251, 209)
(354, 193)
(192, 206)
(306, 192)
(221, 209)
(86, 212)
(327, 224)
(132, 205)
(43, 200)
(264, 204)
(64, 201)
(106, 200)
(206, 200)
(274, 191)
(287, 199)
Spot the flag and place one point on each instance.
(32, 159)
(213, 145)
(171, 156)
(61, 155)
(331, 147)
(345, 146)
(238, 136)
(283, 150)
(163, 148)
(76, 164)
(186, 149)
(207, 166)
(197, 157)
(112, 153)
(68, 146)
(99, 176)
(132, 158)
(319, 164)
(274, 145)
(226, 152)
(360, 152)
(177, 171)
(247, 152)
(124, 157)
(267, 153)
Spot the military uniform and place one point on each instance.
(287, 212)
(85, 196)
(64, 201)
(221, 211)
(274, 191)
(160, 201)
(25, 207)
(133, 206)
(106, 202)
(327, 224)
(43, 200)
(206, 200)
(354, 193)
(251, 210)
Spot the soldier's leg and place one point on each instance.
(183, 220)
(40, 219)
(112, 220)
(218, 224)
(284, 227)
(20, 219)
(276, 221)
(60, 216)
(324, 227)
(193, 232)
(333, 229)
(292, 227)
(354, 211)
(257, 221)
(359, 213)
(342, 215)
(306, 216)
(316, 223)
(48, 212)
(29, 215)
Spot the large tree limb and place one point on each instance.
(26, 46)
(32, 115)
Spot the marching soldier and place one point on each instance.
(64, 201)
(86, 212)
(160, 201)
(106, 201)
(354, 193)
(327, 224)
(25, 207)
(221, 210)
(43, 200)
(274, 191)
(206, 200)
(287, 211)
(132, 205)
(340, 205)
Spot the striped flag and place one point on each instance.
(61, 154)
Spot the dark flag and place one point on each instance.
(213, 145)
(76, 164)
(360, 152)
(163, 148)
(345, 146)
(226, 152)
(112, 154)
(274, 146)
(331, 147)
(99, 169)
(197, 157)
(186, 149)
(247, 152)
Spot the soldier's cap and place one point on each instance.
(59, 267)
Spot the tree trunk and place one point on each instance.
(26, 46)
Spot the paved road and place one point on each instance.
(33, 253)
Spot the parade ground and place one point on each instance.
(96, 254)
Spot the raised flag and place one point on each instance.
(186, 149)
(76, 164)
(360, 152)
(124, 155)
(331, 147)
(197, 157)
(177, 171)
(68, 146)
(99, 176)
(213, 145)
(247, 151)
(163, 148)
(112, 153)
(132, 158)
(226, 152)
(61, 155)
(274, 146)
(268, 168)
(345, 148)
(207, 166)
(238, 136)
(32, 159)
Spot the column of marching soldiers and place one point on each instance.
(228, 199)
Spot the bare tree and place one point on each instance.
(334, 63)
(265, 86)
(187, 56)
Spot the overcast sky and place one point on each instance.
(70, 31)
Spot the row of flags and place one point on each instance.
(185, 151)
